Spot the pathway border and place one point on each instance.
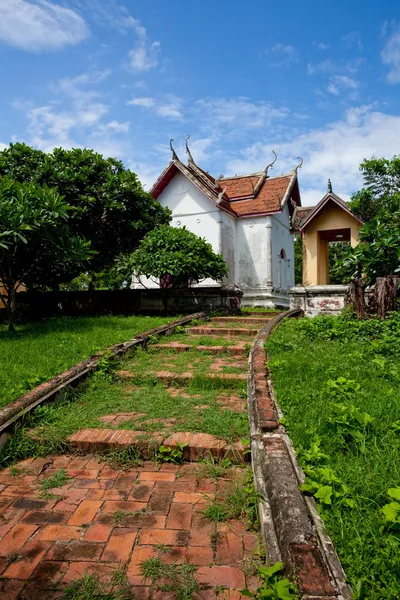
(57, 385)
(291, 527)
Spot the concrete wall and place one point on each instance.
(318, 299)
(315, 249)
(282, 239)
(251, 260)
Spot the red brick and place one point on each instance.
(201, 531)
(119, 545)
(124, 483)
(78, 569)
(160, 502)
(199, 555)
(28, 559)
(73, 496)
(180, 516)
(127, 506)
(230, 577)
(139, 555)
(156, 476)
(9, 590)
(141, 492)
(75, 551)
(85, 512)
(169, 537)
(61, 533)
(95, 494)
(98, 533)
(230, 549)
(192, 497)
(16, 538)
(114, 494)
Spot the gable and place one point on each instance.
(331, 216)
(181, 196)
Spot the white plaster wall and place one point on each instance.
(251, 254)
(282, 239)
(191, 208)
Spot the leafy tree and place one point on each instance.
(381, 191)
(174, 256)
(110, 207)
(298, 260)
(34, 237)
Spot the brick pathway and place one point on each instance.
(103, 519)
(46, 543)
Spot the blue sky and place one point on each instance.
(320, 80)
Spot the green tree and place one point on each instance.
(34, 237)
(174, 256)
(109, 206)
(381, 191)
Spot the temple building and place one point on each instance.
(245, 218)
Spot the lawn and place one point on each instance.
(38, 351)
(337, 382)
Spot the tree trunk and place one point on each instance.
(355, 297)
(384, 297)
(11, 307)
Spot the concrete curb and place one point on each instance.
(291, 527)
(52, 388)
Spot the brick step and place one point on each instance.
(239, 349)
(260, 315)
(238, 320)
(220, 331)
(198, 445)
(184, 378)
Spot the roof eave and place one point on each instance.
(337, 200)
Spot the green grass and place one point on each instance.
(203, 340)
(38, 351)
(304, 357)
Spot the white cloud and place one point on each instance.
(144, 56)
(241, 112)
(40, 25)
(144, 102)
(284, 54)
(170, 107)
(115, 126)
(329, 66)
(321, 45)
(391, 56)
(334, 151)
(338, 83)
(352, 40)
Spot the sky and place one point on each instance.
(312, 79)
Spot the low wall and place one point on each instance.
(318, 299)
(146, 301)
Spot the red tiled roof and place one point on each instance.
(268, 199)
(236, 195)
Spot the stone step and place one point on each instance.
(238, 320)
(237, 350)
(220, 331)
(197, 446)
(259, 314)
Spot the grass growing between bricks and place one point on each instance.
(38, 351)
(337, 382)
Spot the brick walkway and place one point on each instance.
(103, 518)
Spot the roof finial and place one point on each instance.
(174, 154)
(329, 187)
(271, 165)
(190, 157)
(299, 165)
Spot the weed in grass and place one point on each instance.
(179, 580)
(171, 455)
(274, 585)
(241, 502)
(57, 480)
(210, 468)
(15, 471)
(346, 435)
(90, 587)
(123, 458)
